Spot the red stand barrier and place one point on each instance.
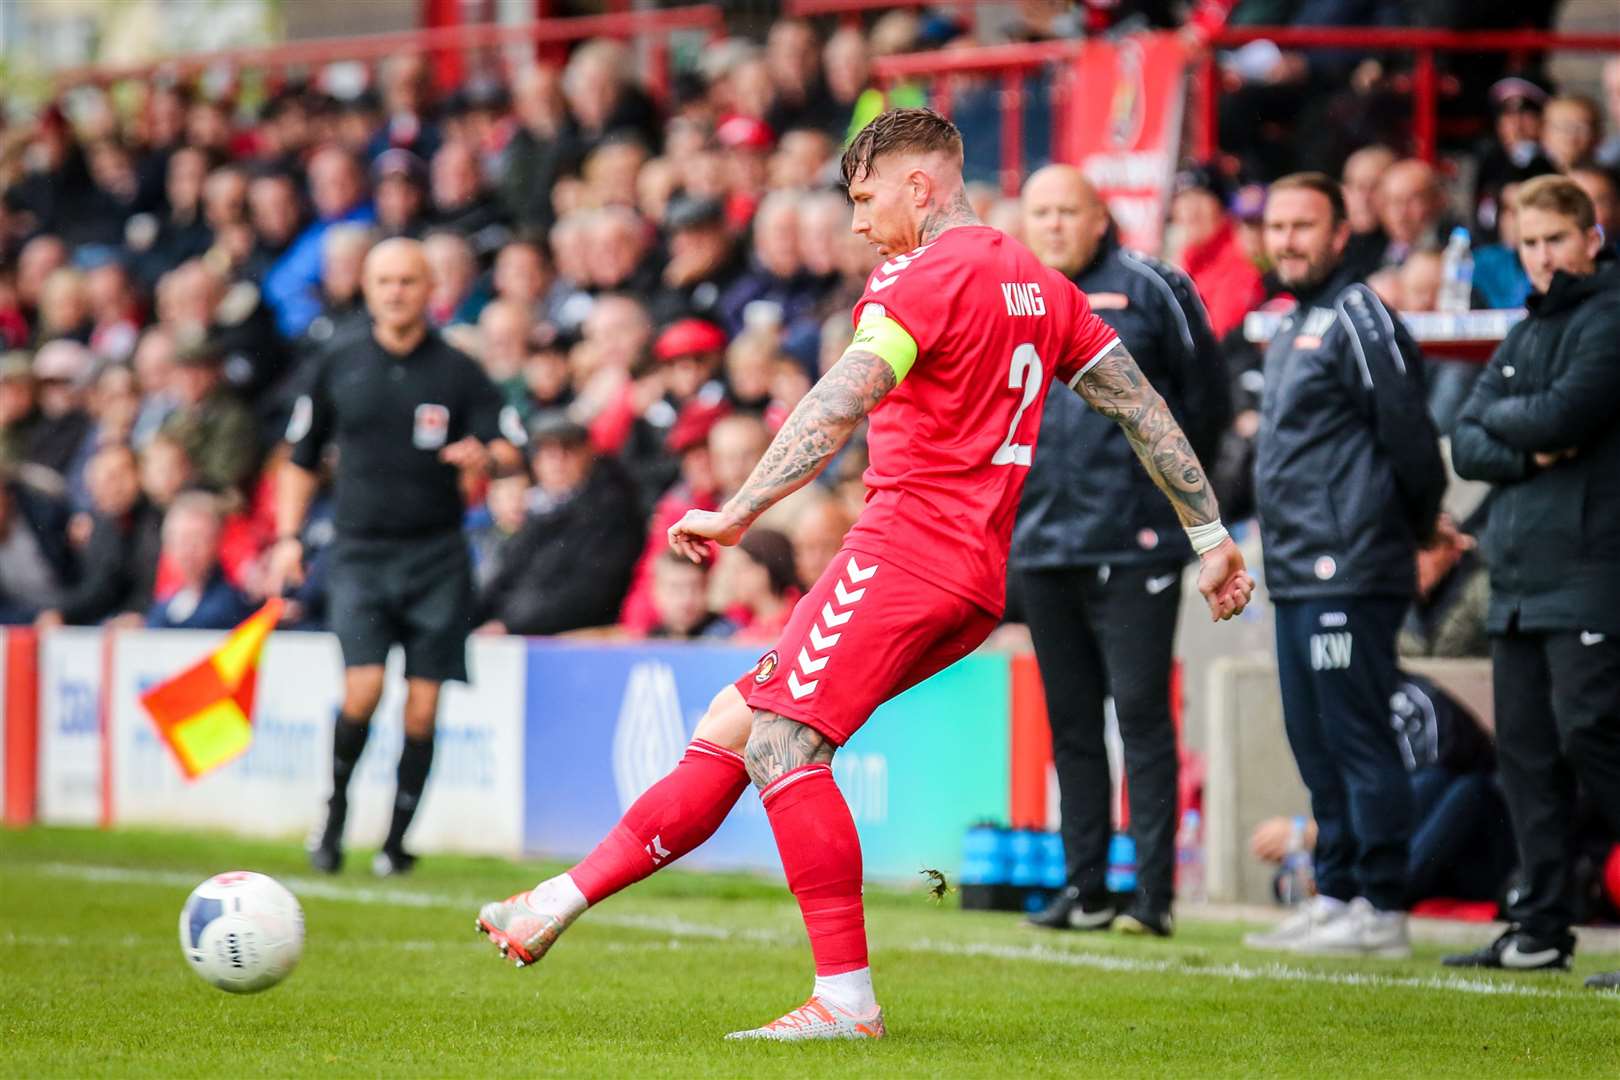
(21, 728)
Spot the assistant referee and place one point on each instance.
(407, 413)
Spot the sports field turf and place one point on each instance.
(394, 982)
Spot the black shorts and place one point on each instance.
(417, 593)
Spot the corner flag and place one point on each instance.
(205, 713)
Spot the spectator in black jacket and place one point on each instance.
(569, 566)
(1348, 481)
(1099, 553)
(36, 564)
(121, 557)
(1543, 425)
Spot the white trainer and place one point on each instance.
(818, 1018)
(1363, 931)
(1312, 915)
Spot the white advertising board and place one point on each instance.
(474, 797)
(70, 751)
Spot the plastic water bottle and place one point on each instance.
(1190, 857)
(1457, 274)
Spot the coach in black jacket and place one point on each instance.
(1348, 481)
(1098, 555)
(1543, 425)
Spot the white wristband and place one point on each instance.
(1207, 537)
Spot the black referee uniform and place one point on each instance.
(400, 570)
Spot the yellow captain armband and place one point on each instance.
(882, 336)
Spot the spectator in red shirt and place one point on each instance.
(1210, 252)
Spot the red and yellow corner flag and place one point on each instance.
(205, 713)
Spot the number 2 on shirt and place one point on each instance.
(1024, 374)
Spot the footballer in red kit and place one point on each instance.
(957, 338)
(922, 578)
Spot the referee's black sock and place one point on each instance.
(348, 740)
(415, 759)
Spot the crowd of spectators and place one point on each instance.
(653, 286)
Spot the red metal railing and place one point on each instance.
(276, 59)
(1011, 63)
(1425, 45)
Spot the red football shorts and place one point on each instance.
(865, 632)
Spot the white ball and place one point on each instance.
(242, 931)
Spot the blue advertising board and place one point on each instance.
(604, 722)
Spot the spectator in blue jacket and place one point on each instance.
(204, 600)
(337, 188)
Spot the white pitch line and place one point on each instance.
(679, 928)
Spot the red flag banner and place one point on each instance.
(1125, 129)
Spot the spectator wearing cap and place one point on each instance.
(704, 261)
(338, 191)
(1571, 127)
(399, 183)
(696, 489)
(37, 566)
(548, 379)
(1362, 173)
(460, 204)
(1514, 153)
(774, 274)
(543, 148)
(569, 566)
(202, 598)
(1210, 253)
(217, 431)
(746, 143)
(680, 597)
(759, 584)
(61, 373)
(121, 556)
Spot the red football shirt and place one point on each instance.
(951, 445)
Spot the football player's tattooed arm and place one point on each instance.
(1116, 387)
(816, 430)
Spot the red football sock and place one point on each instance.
(672, 817)
(821, 852)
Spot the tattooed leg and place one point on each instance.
(777, 746)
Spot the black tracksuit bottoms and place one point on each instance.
(1101, 631)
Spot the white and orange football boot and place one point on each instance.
(818, 1019)
(522, 933)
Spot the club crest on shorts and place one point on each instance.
(765, 668)
(432, 427)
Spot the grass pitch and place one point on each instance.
(394, 982)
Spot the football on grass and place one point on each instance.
(242, 931)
